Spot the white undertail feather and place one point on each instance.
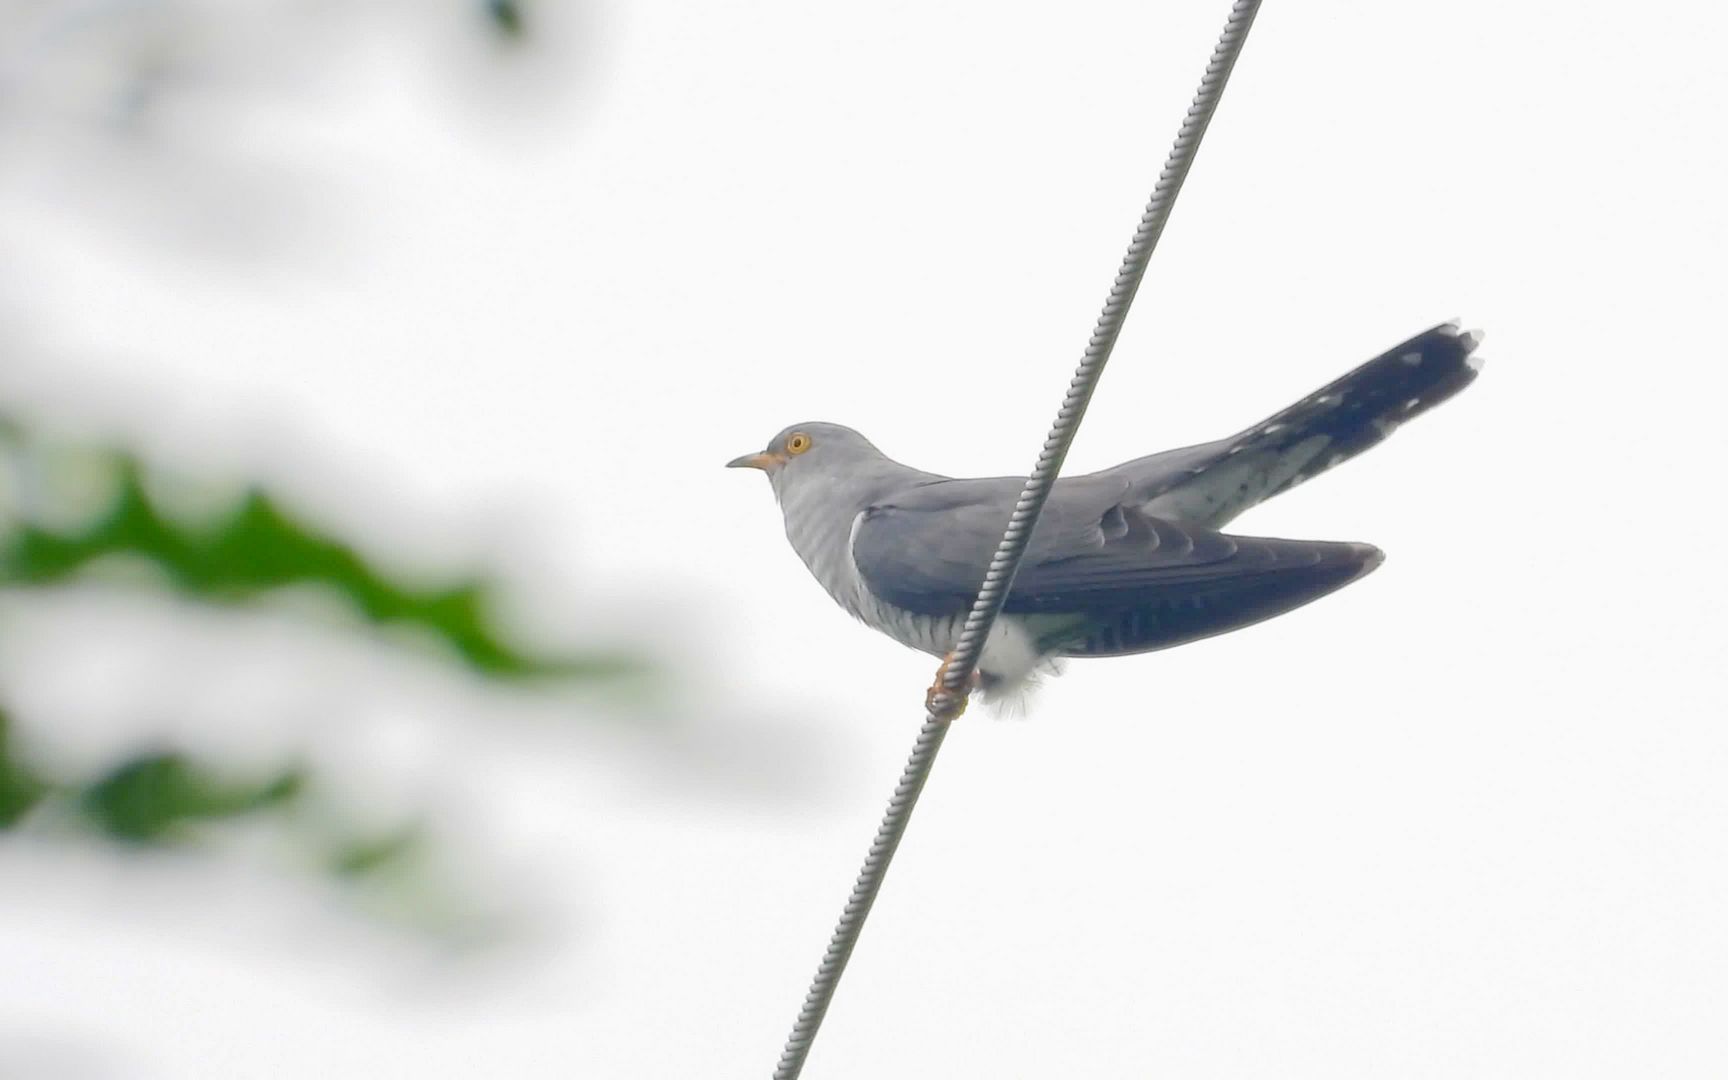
(1015, 703)
(1010, 655)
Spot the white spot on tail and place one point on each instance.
(1412, 403)
(1470, 340)
(1411, 358)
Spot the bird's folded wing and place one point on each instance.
(928, 552)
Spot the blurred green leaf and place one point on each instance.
(367, 855)
(159, 799)
(72, 511)
(20, 789)
(506, 17)
(256, 547)
(146, 799)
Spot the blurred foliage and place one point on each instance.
(147, 799)
(371, 854)
(506, 16)
(157, 800)
(252, 549)
(66, 510)
(20, 789)
(151, 797)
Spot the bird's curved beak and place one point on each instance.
(765, 462)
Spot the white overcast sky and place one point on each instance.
(1464, 819)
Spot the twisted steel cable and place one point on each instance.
(957, 671)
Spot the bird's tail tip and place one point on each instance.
(1468, 339)
(1369, 559)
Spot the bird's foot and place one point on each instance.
(944, 704)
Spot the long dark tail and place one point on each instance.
(1211, 484)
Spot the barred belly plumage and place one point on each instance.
(934, 634)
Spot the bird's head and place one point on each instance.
(809, 454)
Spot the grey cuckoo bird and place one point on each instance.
(1122, 561)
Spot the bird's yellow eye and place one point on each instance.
(797, 443)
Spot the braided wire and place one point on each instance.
(957, 671)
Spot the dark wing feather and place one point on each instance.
(1135, 582)
(926, 549)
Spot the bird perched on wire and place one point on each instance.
(1122, 561)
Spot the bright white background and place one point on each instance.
(1464, 819)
